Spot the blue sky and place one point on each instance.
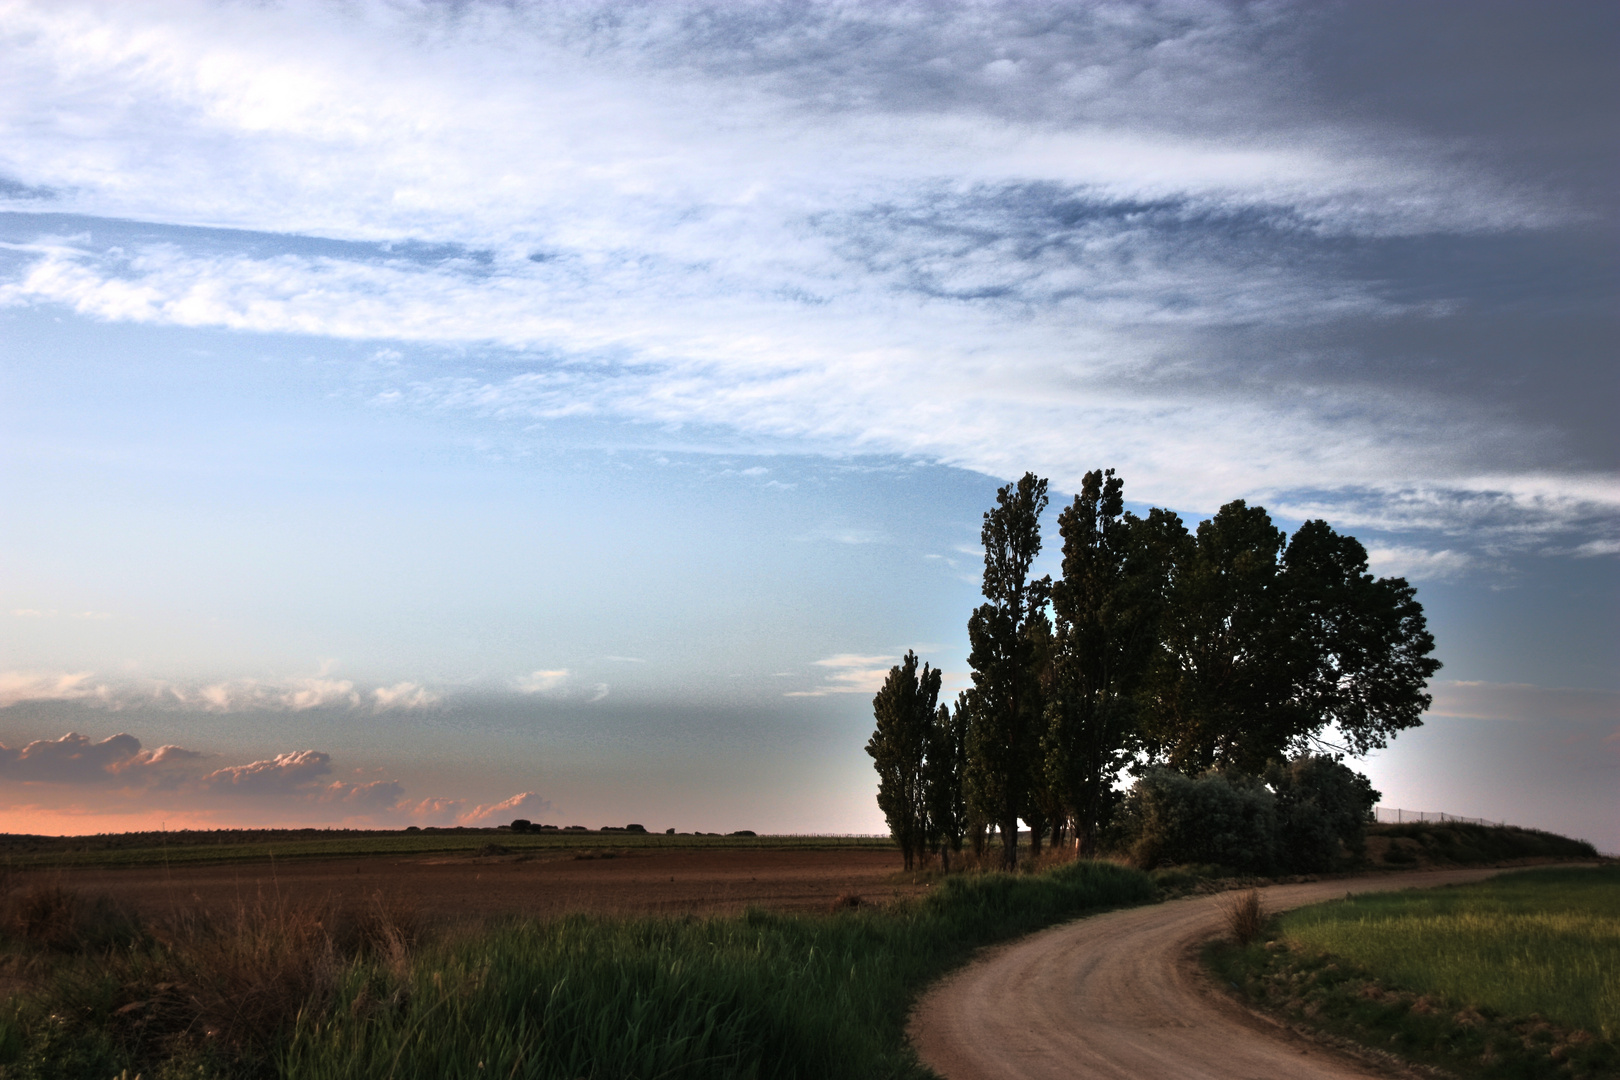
(420, 412)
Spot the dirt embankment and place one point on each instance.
(1120, 996)
(698, 881)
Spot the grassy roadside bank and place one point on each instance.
(1518, 976)
(282, 994)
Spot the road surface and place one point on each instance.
(1115, 997)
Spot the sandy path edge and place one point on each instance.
(1121, 996)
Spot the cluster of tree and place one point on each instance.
(1225, 649)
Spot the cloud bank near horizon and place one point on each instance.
(995, 237)
(54, 782)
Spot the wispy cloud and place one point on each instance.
(964, 232)
(293, 694)
(541, 682)
(849, 673)
(1523, 701)
(1418, 564)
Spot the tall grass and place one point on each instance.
(757, 996)
(308, 995)
(1545, 942)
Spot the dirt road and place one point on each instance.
(1115, 997)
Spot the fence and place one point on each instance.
(1389, 815)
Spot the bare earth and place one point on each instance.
(442, 887)
(1121, 996)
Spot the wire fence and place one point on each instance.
(1392, 815)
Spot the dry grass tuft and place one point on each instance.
(1246, 917)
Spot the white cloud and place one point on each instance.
(16, 686)
(1595, 548)
(541, 682)
(1418, 564)
(973, 238)
(295, 694)
(849, 673)
(404, 695)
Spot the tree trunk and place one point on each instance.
(1009, 844)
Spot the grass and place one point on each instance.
(1455, 843)
(226, 845)
(1516, 976)
(305, 995)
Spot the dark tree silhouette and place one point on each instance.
(1005, 703)
(943, 773)
(1263, 646)
(905, 710)
(1107, 607)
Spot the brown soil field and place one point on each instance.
(445, 888)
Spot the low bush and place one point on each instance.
(1215, 818)
(1306, 816)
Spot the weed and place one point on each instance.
(1245, 917)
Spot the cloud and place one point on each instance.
(442, 811)
(283, 774)
(541, 682)
(992, 236)
(850, 674)
(1418, 564)
(115, 778)
(1523, 701)
(524, 804)
(404, 695)
(296, 694)
(374, 797)
(16, 686)
(73, 758)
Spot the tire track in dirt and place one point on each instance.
(1113, 997)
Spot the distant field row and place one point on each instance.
(146, 849)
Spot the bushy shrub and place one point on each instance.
(1323, 809)
(1215, 818)
(1307, 816)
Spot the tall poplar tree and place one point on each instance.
(1107, 605)
(944, 775)
(1004, 736)
(905, 709)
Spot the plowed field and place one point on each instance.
(454, 887)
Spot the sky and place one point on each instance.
(442, 413)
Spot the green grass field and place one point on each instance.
(179, 848)
(1545, 942)
(289, 994)
(1515, 977)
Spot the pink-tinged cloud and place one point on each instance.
(378, 796)
(72, 759)
(527, 804)
(117, 785)
(283, 774)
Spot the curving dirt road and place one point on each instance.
(1114, 996)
